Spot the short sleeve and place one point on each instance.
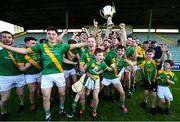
(65, 47)
(35, 49)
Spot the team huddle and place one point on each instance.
(99, 61)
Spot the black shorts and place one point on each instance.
(149, 86)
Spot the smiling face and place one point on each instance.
(149, 55)
(7, 39)
(52, 36)
(91, 44)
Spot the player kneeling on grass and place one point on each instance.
(165, 78)
(94, 68)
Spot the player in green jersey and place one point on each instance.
(10, 76)
(166, 78)
(149, 70)
(32, 70)
(52, 54)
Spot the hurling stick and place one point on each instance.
(76, 87)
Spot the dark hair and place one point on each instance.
(146, 42)
(129, 36)
(120, 47)
(52, 28)
(29, 38)
(153, 42)
(7, 32)
(98, 50)
(71, 41)
(108, 40)
(150, 51)
(171, 62)
(43, 40)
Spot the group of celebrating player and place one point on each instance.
(113, 59)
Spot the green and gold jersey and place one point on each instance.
(120, 63)
(81, 50)
(86, 57)
(149, 70)
(111, 59)
(58, 50)
(93, 67)
(9, 62)
(163, 75)
(35, 60)
(129, 53)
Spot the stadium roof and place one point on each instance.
(36, 14)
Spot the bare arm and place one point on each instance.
(169, 81)
(123, 33)
(60, 37)
(24, 68)
(168, 55)
(15, 49)
(95, 28)
(69, 62)
(78, 45)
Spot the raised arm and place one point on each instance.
(95, 28)
(60, 37)
(122, 33)
(15, 49)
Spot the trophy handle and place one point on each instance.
(101, 13)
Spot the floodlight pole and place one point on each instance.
(150, 19)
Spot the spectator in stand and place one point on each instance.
(158, 52)
(178, 42)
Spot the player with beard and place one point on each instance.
(10, 76)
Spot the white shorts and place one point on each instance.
(164, 92)
(91, 84)
(33, 78)
(47, 81)
(8, 82)
(68, 73)
(121, 73)
(107, 82)
(135, 68)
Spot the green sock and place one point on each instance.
(74, 105)
(94, 109)
(83, 107)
